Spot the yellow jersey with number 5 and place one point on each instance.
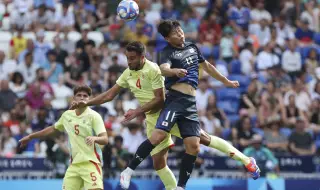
(78, 127)
(142, 82)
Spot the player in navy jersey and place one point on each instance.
(179, 63)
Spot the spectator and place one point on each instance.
(42, 18)
(168, 11)
(21, 18)
(8, 144)
(62, 95)
(64, 20)
(291, 60)
(259, 13)
(239, 15)
(261, 30)
(202, 94)
(250, 100)
(61, 155)
(217, 112)
(242, 134)
(283, 29)
(52, 68)
(267, 58)
(121, 155)
(312, 61)
(301, 142)
(274, 140)
(45, 87)
(28, 69)
(32, 149)
(210, 31)
(291, 112)
(303, 100)
(81, 44)
(132, 137)
(277, 40)
(311, 14)
(42, 46)
(102, 17)
(189, 26)
(245, 37)
(17, 85)
(304, 34)
(50, 4)
(264, 157)
(199, 6)
(35, 97)
(247, 59)
(61, 53)
(226, 45)
(7, 67)
(7, 97)
(18, 44)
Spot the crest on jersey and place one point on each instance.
(164, 123)
(179, 54)
(191, 50)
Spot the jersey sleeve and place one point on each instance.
(59, 124)
(200, 56)
(97, 124)
(164, 57)
(122, 80)
(157, 81)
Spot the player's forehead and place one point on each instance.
(131, 53)
(82, 93)
(176, 30)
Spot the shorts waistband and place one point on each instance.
(178, 93)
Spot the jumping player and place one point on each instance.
(144, 79)
(179, 63)
(85, 129)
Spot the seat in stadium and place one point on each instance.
(74, 36)
(160, 42)
(230, 107)
(316, 38)
(228, 94)
(258, 131)
(226, 133)
(206, 51)
(5, 38)
(221, 62)
(233, 118)
(285, 131)
(235, 67)
(97, 37)
(29, 35)
(216, 52)
(49, 35)
(6, 23)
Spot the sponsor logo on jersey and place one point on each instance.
(191, 50)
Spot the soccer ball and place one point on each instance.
(128, 10)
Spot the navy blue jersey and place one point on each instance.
(189, 57)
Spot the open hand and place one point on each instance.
(130, 115)
(24, 141)
(90, 140)
(181, 72)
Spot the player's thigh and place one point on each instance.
(189, 128)
(72, 179)
(91, 174)
(167, 142)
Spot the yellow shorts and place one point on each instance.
(151, 121)
(86, 174)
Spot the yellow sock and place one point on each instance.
(167, 178)
(227, 148)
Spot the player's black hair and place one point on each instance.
(166, 26)
(137, 47)
(82, 88)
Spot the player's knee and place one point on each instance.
(157, 136)
(205, 139)
(192, 145)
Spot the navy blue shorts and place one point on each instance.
(181, 109)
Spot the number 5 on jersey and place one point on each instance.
(76, 129)
(138, 84)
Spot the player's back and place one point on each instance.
(188, 58)
(142, 82)
(78, 127)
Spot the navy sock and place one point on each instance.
(143, 151)
(186, 167)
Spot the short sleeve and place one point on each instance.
(59, 124)
(122, 80)
(97, 124)
(157, 81)
(200, 56)
(164, 57)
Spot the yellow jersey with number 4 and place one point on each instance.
(142, 82)
(78, 127)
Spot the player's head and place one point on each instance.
(82, 93)
(172, 32)
(135, 52)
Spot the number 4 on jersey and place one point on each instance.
(138, 83)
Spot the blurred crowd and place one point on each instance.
(270, 46)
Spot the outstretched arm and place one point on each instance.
(100, 99)
(40, 134)
(213, 72)
(167, 71)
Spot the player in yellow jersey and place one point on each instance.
(86, 131)
(145, 81)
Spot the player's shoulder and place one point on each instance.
(67, 113)
(167, 50)
(93, 113)
(151, 65)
